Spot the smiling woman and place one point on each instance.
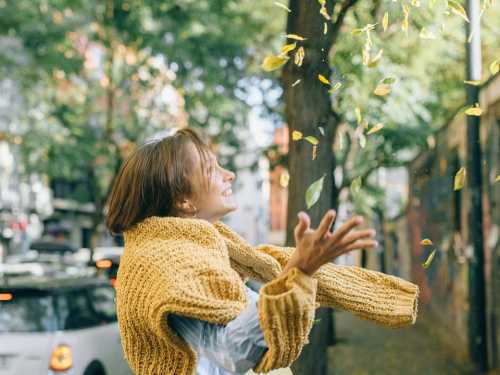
(182, 304)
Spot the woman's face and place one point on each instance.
(212, 194)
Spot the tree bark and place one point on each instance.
(308, 107)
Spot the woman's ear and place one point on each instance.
(186, 208)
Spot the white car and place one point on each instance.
(59, 325)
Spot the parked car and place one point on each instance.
(64, 324)
(107, 261)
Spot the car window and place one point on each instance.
(102, 300)
(28, 312)
(75, 312)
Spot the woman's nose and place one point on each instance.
(230, 175)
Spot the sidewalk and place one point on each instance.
(367, 349)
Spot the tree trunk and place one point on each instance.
(308, 107)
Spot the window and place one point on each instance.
(102, 300)
(28, 312)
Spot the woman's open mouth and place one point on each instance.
(227, 192)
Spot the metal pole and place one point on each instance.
(477, 293)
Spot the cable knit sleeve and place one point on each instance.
(286, 313)
(384, 299)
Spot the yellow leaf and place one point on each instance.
(335, 87)
(429, 259)
(323, 79)
(495, 67)
(474, 110)
(282, 6)
(375, 128)
(299, 56)
(357, 31)
(296, 135)
(459, 179)
(324, 12)
(357, 111)
(426, 242)
(415, 3)
(314, 152)
(325, 28)
(473, 83)
(296, 83)
(272, 62)
(356, 185)
(288, 47)
(425, 34)
(497, 179)
(385, 21)
(312, 140)
(374, 62)
(364, 124)
(295, 37)
(405, 22)
(382, 89)
(458, 9)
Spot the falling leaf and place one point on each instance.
(429, 259)
(426, 242)
(375, 128)
(295, 37)
(474, 83)
(335, 87)
(495, 67)
(299, 56)
(374, 62)
(315, 152)
(316, 321)
(364, 124)
(356, 185)
(458, 9)
(288, 47)
(282, 6)
(382, 89)
(325, 28)
(362, 140)
(312, 140)
(272, 62)
(321, 130)
(296, 135)
(357, 31)
(357, 111)
(388, 80)
(296, 83)
(405, 22)
(324, 12)
(385, 21)
(497, 179)
(323, 79)
(474, 110)
(425, 34)
(313, 192)
(459, 179)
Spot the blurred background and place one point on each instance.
(387, 108)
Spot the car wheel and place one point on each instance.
(95, 368)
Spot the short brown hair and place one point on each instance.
(153, 179)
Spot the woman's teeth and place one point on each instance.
(227, 192)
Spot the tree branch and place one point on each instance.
(348, 4)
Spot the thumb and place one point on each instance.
(302, 225)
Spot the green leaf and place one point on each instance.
(356, 185)
(314, 192)
(429, 259)
(312, 140)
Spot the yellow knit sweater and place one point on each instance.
(193, 268)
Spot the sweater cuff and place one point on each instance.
(286, 314)
(384, 299)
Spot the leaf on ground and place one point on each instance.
(295, 37)
(459, 179)
(272, 62)
(313, 192)
(296, 135)
(429, 259)
(375, 128)
(458, 9)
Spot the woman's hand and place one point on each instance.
(315, 247)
